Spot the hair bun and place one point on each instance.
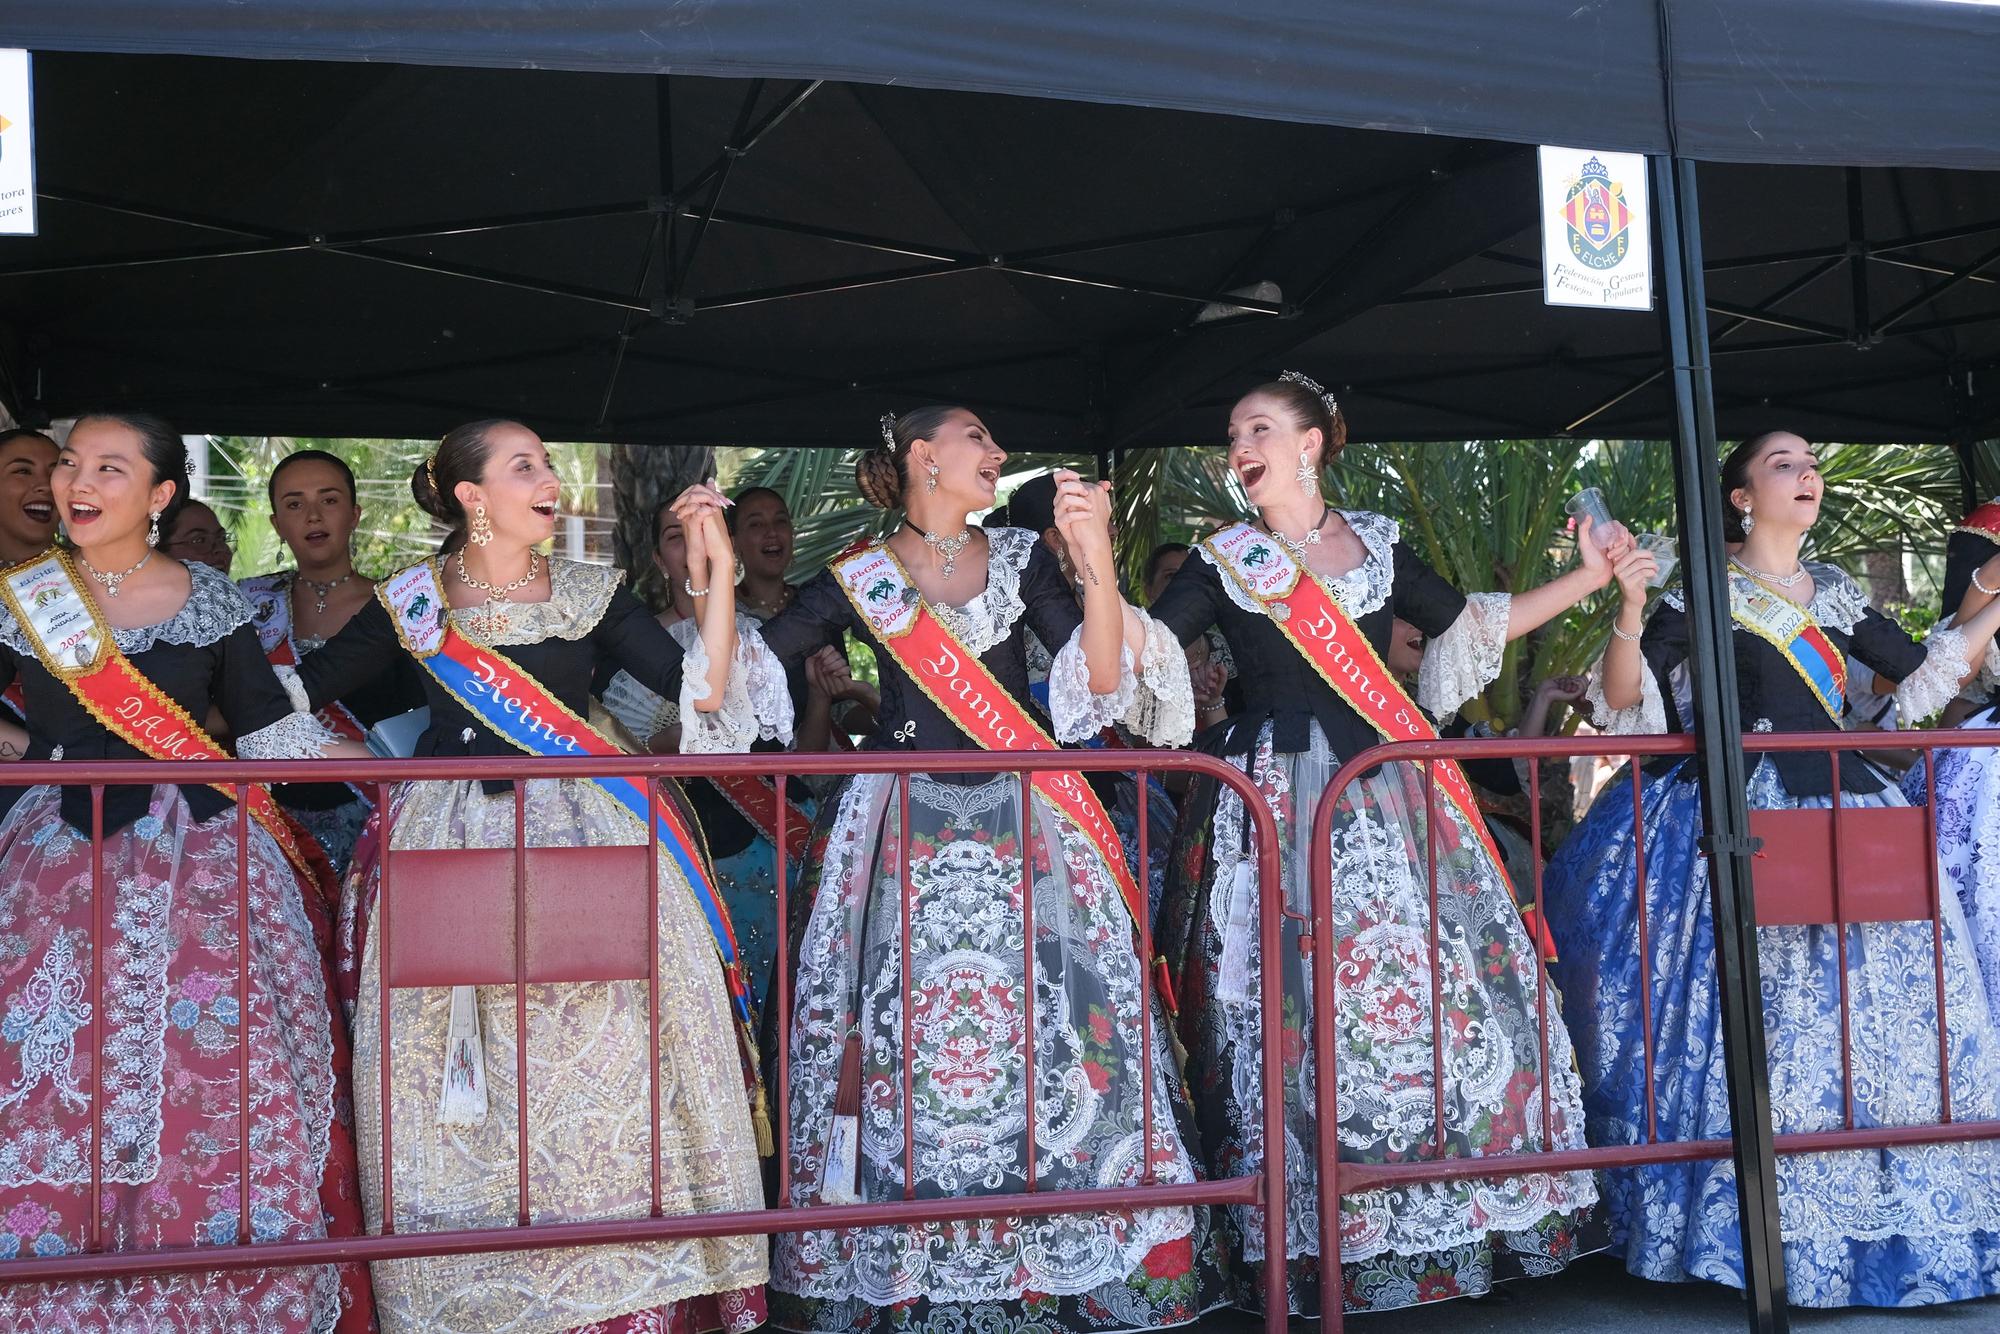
(423, 487)
(879, 478)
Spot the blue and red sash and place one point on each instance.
(518, 708)
(1791, 629)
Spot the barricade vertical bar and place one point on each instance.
(1028, 954)
(781, 996)
(242, 1016)
(384, 841)
(1436, 962)
(1144, 778)
(1645, 952)
(98, 893)
(1840, 953)
(909, 992)
(652, 846)
(521, 1001)
(1933, 881)
(1271, 922)
(1326, 1024)
(1534, 942)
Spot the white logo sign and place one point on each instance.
(17, 146)
(1597, 245)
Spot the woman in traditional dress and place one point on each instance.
(946, 608)
(1303, 716)
(314, 509)
(1889, 1227)
(27, 526)
(170, 640)
(509, 643)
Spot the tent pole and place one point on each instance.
(1719, 758)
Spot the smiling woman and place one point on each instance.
(27, 507)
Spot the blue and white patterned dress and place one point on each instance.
(1897, 1227)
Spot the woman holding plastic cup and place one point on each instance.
(1890, 1227)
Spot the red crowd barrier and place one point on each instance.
(1812, 856)
(435, 967)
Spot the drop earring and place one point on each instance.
(1748, 523)
(481, 530)
(1307, 484)
(930, 482)
(153, 532)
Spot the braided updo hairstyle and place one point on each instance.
(883, 473)
(459, 457)
(1308, 410)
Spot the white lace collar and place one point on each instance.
(215, 609)
(1362, 589)
(988, 617)
(578, 596)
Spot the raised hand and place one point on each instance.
(1635, 570)
(1083, 517)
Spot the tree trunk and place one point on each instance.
(1886, 585)
(645, 477)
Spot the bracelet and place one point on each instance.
(692, 591)
(1627, 637)
(1989, 592)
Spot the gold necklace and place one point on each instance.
(492, 622)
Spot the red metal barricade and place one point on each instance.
(1834, 867)
(465, 927)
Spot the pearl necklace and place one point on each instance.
(951, 548)
(1792, 580)
(111, 581)
(493, 622)
(322, 591)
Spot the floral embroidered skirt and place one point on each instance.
(174, 1039)
(1892, 1227)
(1408, 1244)
(964, 996)
(1968, 834)
(588, 1137)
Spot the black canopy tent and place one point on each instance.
(806, 213)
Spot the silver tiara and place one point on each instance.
(888, 425)
(1313, 387)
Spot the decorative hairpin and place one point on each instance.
(888, 425)
(1313, 387)
(431, 470)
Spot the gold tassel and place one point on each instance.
(760, 1122)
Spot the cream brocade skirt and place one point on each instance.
(587, 1124)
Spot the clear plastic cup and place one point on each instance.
(1663, 550)
(1589, 504)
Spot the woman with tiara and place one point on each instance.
(1306, 597)
(120, 649)
(1006, 1055)
(509, 644)
(1890, 1227)
(314, 508)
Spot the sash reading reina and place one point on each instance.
(521, 710)
(73, 642)
(968, 694)
(1313, 622)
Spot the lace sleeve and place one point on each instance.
(1460, 663)
(1646, 718)
(1155, 700)
(756, 700)
(1930, 687)
(296, 736)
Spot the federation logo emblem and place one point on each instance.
(1597, 218)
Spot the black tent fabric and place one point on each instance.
(1776, 81)
(323, 248)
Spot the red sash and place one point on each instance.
(270, 609)
(756, 800)
(1313, 621)
(968, 694)
(73, 642)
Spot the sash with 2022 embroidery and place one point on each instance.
(967, 693)
(1312, 620)
(72, 641)
(1800, 641)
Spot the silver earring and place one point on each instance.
(1307, 484)
(930, 482)
(153, 533)
(1748, 523)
